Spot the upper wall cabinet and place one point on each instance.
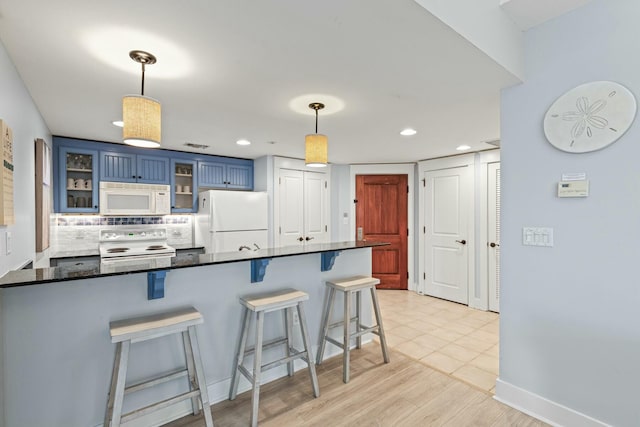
(124, 167)
(237, 175)
(77, 184)
(89, 162)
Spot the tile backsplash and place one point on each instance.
(81, 232)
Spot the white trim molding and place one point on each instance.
(541, 408)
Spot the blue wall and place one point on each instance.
(570, 328)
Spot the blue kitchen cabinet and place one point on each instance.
(232, 174)
(77, 186)
(127, 167)
(184, 185)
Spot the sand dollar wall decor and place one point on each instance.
(590, 117)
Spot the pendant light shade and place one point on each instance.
(141, 115)
(142, 121)
(316, 145)
(315, 148)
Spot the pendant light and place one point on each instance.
(315, 145)
(141, 114)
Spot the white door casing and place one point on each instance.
(493, 235)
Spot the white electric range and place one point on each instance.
(124, 247)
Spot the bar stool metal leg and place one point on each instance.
(242, 344)
(325, 325)
(199, 371)
(346, 342)
(358, 313)
(257, 369)
(307, 349)
(121, 375)
(288, 314)
(376, 309)
(188, 354)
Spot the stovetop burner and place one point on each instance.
(117, 250)
(156, 247)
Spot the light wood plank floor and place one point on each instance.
(404, 392)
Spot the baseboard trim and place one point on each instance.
(541, 408)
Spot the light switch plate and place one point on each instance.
(8, 242)
(537, 236)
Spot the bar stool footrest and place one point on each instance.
(156, 406)
(269, 344)
(156, 380)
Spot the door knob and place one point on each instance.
(300, 239)
(462, 242)
(308, 238)
(493, 245)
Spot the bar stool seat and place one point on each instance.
(349, 286)
(125, 332)
(286, 300)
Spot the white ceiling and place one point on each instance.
(529, 13)
(229, 69)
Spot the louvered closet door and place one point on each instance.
(493, 205)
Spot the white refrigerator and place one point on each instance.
(229, 221)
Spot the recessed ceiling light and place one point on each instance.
(118, 123)
(462, 147)
(408, 132)
(243, 142)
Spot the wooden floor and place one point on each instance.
(404, 392)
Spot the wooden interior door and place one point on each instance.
(447, 238)
(381, 214)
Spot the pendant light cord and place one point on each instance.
(143, 83)
(316, 120)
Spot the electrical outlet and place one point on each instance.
(8, 242)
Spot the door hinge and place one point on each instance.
(325, 184)
(355, 200)
(279, 230)
(407, 189)
(279, 180)
(424, 276)
(407, 231)
(424, 230)
(325, 229)
(407, 274)
(424, 182)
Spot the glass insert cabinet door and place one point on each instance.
(183, 189)
(78, 185)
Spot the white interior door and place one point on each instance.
(493, 231)
(447, 239)
(291, 207)
(315, 195)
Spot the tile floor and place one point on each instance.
(450, 337)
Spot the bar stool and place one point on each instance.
(128, 331)
(348, 287)
(285, 299)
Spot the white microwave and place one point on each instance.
(130, 199)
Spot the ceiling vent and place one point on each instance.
(199, 146)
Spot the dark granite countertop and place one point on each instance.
(93, 269)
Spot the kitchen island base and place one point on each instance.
(57, 350)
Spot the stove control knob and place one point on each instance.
(142, 234)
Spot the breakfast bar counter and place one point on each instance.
(55, 326)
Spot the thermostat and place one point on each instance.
(573, 188)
